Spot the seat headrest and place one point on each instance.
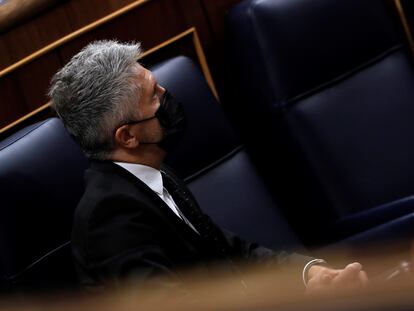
(209, 136)
(309, 42)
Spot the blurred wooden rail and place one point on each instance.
(268, 290)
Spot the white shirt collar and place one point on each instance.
(149, 175)
(153, 179)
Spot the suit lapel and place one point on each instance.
(210, 235)
(164, 208)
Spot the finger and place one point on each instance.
(349, 274)
(328, 271)
(326, 278)
(323, 277)
(315, 287)
(331, 272)
(355, 265)
(363, 278)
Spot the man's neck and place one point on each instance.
(152, 157)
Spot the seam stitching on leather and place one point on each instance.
(214, 164)
(341, 77)
(34, 263)
(259, 41)
(26, 134)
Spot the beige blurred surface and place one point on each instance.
(267, 289)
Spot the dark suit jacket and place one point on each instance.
(123, 229)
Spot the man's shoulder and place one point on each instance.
(107, 186)
(106, 178)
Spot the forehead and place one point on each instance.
(144, 75)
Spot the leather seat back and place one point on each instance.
(41, 181)
(333, 93)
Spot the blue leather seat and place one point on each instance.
(41, 181)
(328, 85)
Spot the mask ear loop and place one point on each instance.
(150, 118)
(134, 122)
(164, 96)
(139, 121)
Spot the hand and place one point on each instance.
(324, 280)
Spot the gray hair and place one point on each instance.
(96, 92)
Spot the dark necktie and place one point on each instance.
(178, 196)
(189, 209)
(177, 209)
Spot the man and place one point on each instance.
(136, 219)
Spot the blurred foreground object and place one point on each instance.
(267, 290)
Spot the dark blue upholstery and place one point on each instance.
(234, 195)
(333, 95)
(41, 181)
(215, 164)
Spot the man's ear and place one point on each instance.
(125, 137)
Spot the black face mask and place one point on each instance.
(171, 116)
(172, 119)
